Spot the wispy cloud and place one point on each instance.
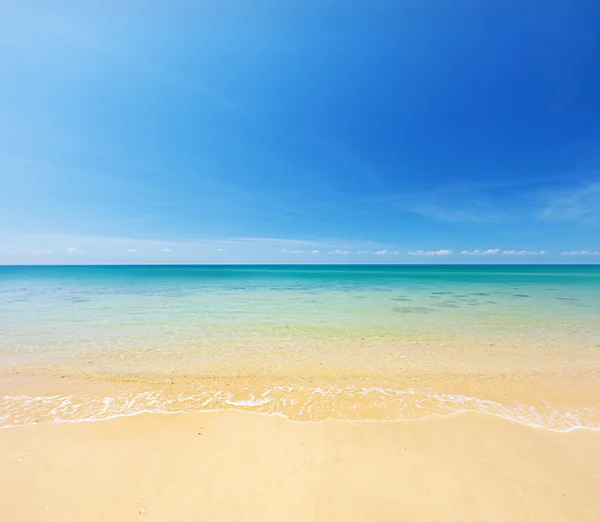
(524, 252)
(439, 212)
(581, 253)
(166, 250)
(286, 251)
(314, 251)
(429, 252)
(363, 252)
(131, 250)
(125, 241)
(277, 240)
(380, 252)
(451, 204)
(484, 202)
(581, 204)
(341, 252)
(42, 252)
(488, 252)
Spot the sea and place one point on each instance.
(310, 343)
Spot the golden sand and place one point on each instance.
(234, 466)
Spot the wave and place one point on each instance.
(299, 404)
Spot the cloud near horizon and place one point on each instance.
(91, 250)
(429, 252)
(489, 252)
(581, 253)
(294, 251)
(524, 252)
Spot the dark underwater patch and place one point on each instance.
(411, 310)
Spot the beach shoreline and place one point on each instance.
(242, 466)
(560, 399)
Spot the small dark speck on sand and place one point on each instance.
(522, 295)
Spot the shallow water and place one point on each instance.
(380, 342)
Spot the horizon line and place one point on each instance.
(292, 264)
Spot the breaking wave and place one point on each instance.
(300, 404)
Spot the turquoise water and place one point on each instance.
(320, 323)
(43, 308)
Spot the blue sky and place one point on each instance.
(220, 132)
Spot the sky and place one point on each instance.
(300, 132)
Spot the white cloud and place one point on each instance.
(314, 252)
(219, 250)
(363, 252)
(381, 252)
(131, 250)
(581, 253)
(489, 252)
(396, 253)
(166, 249)
(429, 252)
(286, 251)
(71, 249)
(43, 252)
(338, 251)
(524, 252)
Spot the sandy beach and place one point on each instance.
(242, 466)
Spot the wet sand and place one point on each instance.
(241, 466)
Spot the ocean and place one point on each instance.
(310, 343)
